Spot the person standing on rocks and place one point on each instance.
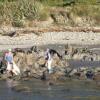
(11, 66)
(49, 59)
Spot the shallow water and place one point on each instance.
(40, 90)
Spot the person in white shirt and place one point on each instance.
(49, 59)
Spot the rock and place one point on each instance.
(18, 56)
(82, 69)
(96, 77)
(56, 76)
(59, 62)
(68, 71)
(36, 65)
(34, 49)
(77, 56)
(97, 69)
(73, 71)
(77, 75)
(98, 57)
(67, 57)
(11, 34)
(29, 59)
(50, 83)
(41, 53)
(70, 51)
(41, 61)
(82, 76)
(44, 76)
(3, 77)
(5, 30)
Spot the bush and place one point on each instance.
(52, 2)
(19, 10)
(18, 23)
(86, 1)
(86, 10)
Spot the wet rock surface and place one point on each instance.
(32, 64)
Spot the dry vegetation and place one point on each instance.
(18, 12)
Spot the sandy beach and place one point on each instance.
(26, 40)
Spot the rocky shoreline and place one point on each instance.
(31, 62)
(78, 49)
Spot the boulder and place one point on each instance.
(73, 71)
(30, 59)
(58, 75)
(41, 61)
(97, 69)
(82, 76)
(96, 77)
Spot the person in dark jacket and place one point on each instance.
(49, 57)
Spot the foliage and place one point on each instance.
(15, 12)
(19, 10)
(86, 1)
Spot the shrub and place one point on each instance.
(18, 23)
(18, 10)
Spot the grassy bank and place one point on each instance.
(19, 12)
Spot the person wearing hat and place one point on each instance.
(11, 66)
